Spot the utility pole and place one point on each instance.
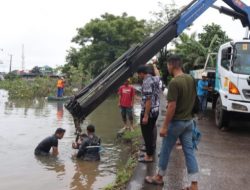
(23, 58)
(10, 62)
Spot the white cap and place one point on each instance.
(204, 74)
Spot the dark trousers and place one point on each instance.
(41, 153)
(149, 133)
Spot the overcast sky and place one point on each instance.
(46, 27)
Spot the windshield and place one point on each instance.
(241, 63)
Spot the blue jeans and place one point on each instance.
(183, 131)
(203, 103)
(59, 92)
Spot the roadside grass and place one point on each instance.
(124, 174)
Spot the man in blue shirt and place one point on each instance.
(202, 91)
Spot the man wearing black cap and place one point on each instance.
(45, 145)
(149, 108)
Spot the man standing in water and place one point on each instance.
(126, 102)
(178, 123)
(45, 145)
(60, 87)
(150, 109)
(89, 145)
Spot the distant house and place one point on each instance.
(36, 71)
(46, 70)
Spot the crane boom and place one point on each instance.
(83, 103)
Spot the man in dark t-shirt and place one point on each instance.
(89, 147)
(45, 145)
(178, 123)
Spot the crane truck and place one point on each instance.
(231, 75)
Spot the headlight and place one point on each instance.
(233, 89)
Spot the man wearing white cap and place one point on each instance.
(202, 92)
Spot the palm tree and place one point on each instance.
(193, 52)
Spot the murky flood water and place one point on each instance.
(23, 124)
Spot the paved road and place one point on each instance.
(224, 160)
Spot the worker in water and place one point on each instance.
(45, 145)
(126, 103)
(88, 145)
(60, 87)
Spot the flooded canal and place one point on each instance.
(23, 124)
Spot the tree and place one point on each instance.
(209, 31)
(36, 70)
(192, 51)
(103, 40)
(161, 17)
(195, 50)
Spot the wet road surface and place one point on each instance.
(224, 160)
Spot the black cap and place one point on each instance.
(143, 69)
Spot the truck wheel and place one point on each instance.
(221, 119)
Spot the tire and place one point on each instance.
(221, 119)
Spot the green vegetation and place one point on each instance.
(27, 89)
(125, 173)
(195, 48)
(130, 136)
(102, 41)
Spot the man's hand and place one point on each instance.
(145, 120)
(55, 151)
(74, 145)
(163, 131)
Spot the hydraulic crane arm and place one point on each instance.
(82, 104)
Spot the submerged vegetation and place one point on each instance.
(27, 89)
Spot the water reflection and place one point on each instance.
(51, 163)
(85, 174)
(59, 112)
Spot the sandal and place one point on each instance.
(142, 160)
(186, 188)
(153, 181)
(142, 155)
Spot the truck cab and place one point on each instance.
(232, 82)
